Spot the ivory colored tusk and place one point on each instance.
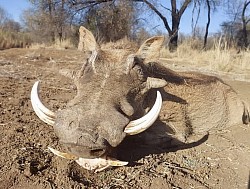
(42, 112)
(96, 164)
(139, 125)
(99, 164)
(63, 154)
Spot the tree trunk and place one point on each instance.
(173, 43)
(244, 38)
(173, 35)
(244, 26)
(173, 39)
(208, 23)
(176, 17)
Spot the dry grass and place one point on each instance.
(64, 44)
(217, 60)
(38, 46)
(10, 39)
(123, 43)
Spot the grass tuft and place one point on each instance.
(220, 59)
(10, 39)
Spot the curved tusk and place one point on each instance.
(99, 164)
(139, 125)
(42, 112)
(63, 154)
(96, 164)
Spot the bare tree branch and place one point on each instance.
(244, 10)
(166, 8)
(184, 6)
(175, 19)
(244, 24)
(173, 5)
(87, 4)
(152, 7)
(194, 25)
(247, 21)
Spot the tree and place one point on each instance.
(176, 14)
(245, 20)
(229, 31)
(3, 16)
(196, 8)
(176, 11)
(48, 20)
(8, 24)
(210, 5)
(11, 25)
(237, 13)
(110, 20)
(208, 23)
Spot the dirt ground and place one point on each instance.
(222, 161)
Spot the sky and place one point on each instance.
(15, 8)
(217, 17)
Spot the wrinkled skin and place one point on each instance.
(113, 89)
(110, 93)
(97, 116)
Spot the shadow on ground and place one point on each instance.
(134, 148)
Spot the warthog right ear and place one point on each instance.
(150, 49)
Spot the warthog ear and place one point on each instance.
(150, 52)
(87, 40)
(150, 49)
(88, 44)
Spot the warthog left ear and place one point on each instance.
(87, 40)
(88, 44)
(150, 49)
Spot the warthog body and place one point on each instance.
(118, 85)
(200, 105)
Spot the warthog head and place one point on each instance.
(111, 86)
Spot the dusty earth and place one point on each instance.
(221, 161)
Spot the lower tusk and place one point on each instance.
(96, 164)
(143, 123)
(63, 154)
(42, 112)
(99, 164)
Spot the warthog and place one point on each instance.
(116, 87)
